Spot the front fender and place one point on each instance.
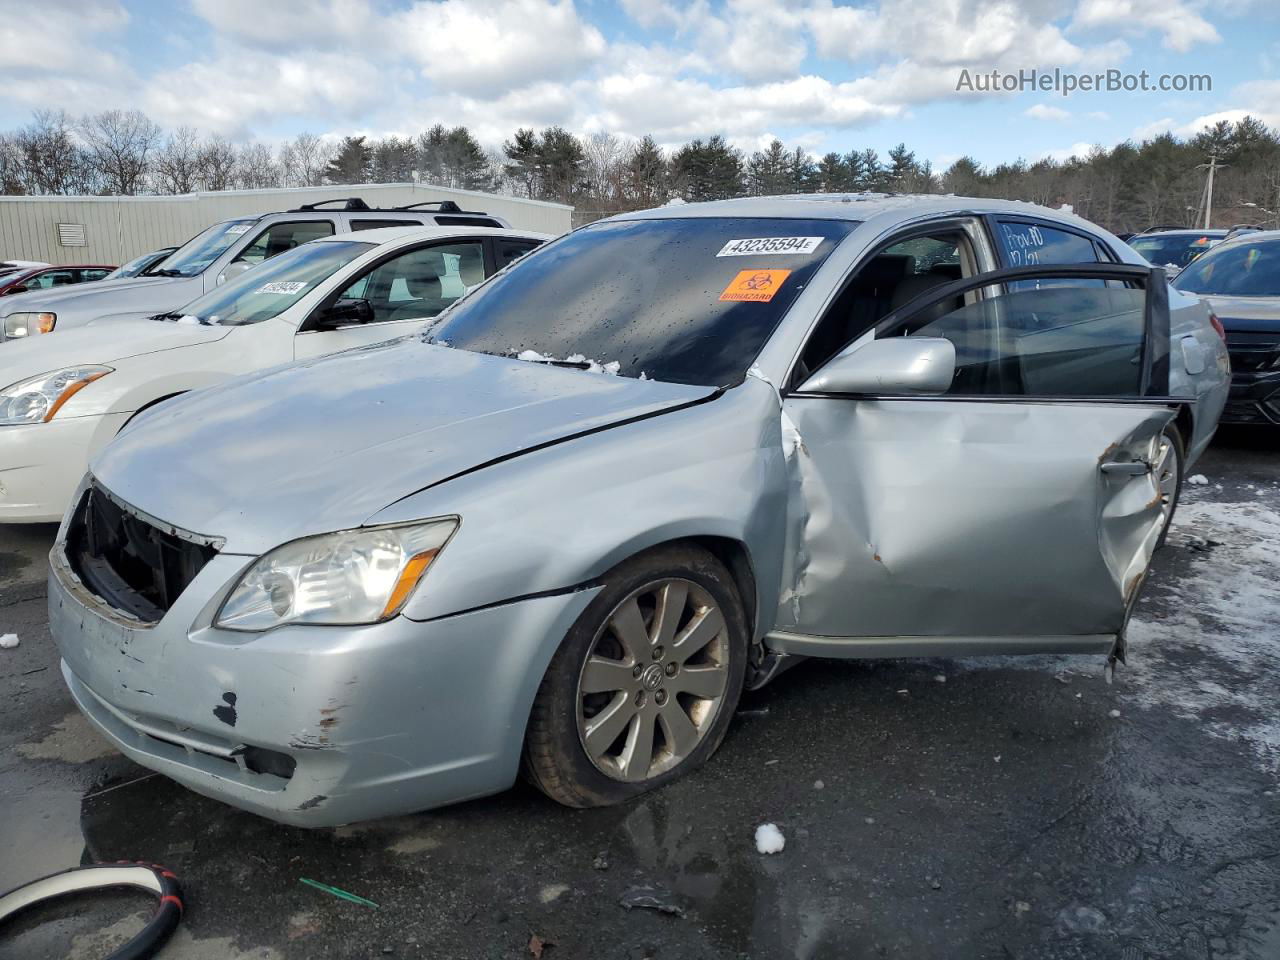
(560, 517)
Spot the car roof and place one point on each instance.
(407, 234)
(854, 206)
(1267, 236)
(1182, 233)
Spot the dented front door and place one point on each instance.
(1013, 508)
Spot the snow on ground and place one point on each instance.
(1203, 644)
(1209, 658)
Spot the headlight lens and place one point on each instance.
(37, 399)
(352, 577)
(29, 324)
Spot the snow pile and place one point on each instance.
(769, 839)
(9, 641)
(593, 366)
(1198, 480)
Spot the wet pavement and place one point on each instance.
(931, 808)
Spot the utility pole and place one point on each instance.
(1211, 166)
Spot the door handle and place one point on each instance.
(1127, 468)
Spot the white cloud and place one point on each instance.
(1080, 149)
(244, 91)
(58, 54)
(1180, 25)
(1042, 111)
(486, 47)
(278, 23)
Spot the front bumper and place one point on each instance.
(1254, 398)
(42, 463)
(379, 720)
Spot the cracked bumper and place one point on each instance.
(380, 720)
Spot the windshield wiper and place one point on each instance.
(165, 317)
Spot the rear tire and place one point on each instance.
(645, 684)
(1170, 466)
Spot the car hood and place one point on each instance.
(139, 289)
(107, 344)
(1247, 314)
(325, 444)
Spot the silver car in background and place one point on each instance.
(216, 254)
(649, 465)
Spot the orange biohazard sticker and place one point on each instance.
(757, 286)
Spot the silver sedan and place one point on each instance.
(648, 466)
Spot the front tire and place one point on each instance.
(645, 683)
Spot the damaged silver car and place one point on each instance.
(649, 465)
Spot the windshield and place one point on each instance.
(1178, 250)
(194, 256)
(132, 268)
(1240, 269)
(687, 300)
(270, 288)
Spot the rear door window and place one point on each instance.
(279, 237)
(509, 251)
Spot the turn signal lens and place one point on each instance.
(1218, 328)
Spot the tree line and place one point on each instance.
(1131, 186)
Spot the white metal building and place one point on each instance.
(62, 230)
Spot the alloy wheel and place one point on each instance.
(652, 684)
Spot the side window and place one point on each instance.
(1067, 338)
(87, 275)
(1028, 244)
(509, 251)
(892, 278)
(378, 224)
(280, 237)
(51, 278)
(1031, 244)
(419, 283)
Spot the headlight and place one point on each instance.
(36, 400)
(351, 577)
(29, 324)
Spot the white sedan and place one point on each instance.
(63, 398)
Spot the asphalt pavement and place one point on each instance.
(1001, 808)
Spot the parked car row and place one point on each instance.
(553, 506)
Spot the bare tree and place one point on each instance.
(256, 168)
(304, 160)
(605, 156)
(10, 166)
(119, 144)
(217, 163)
(49, 160)
(176, 168)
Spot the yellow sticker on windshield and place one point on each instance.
(757, 286)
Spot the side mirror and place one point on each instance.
(911, 365)
(345, 313)
(233, 270)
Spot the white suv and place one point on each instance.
(214, 256)
(63, 398)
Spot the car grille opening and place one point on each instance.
(1252, 352)
(127, 562)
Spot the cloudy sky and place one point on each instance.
(827, 75)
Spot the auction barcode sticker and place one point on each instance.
(281, 286)
(755, 245)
